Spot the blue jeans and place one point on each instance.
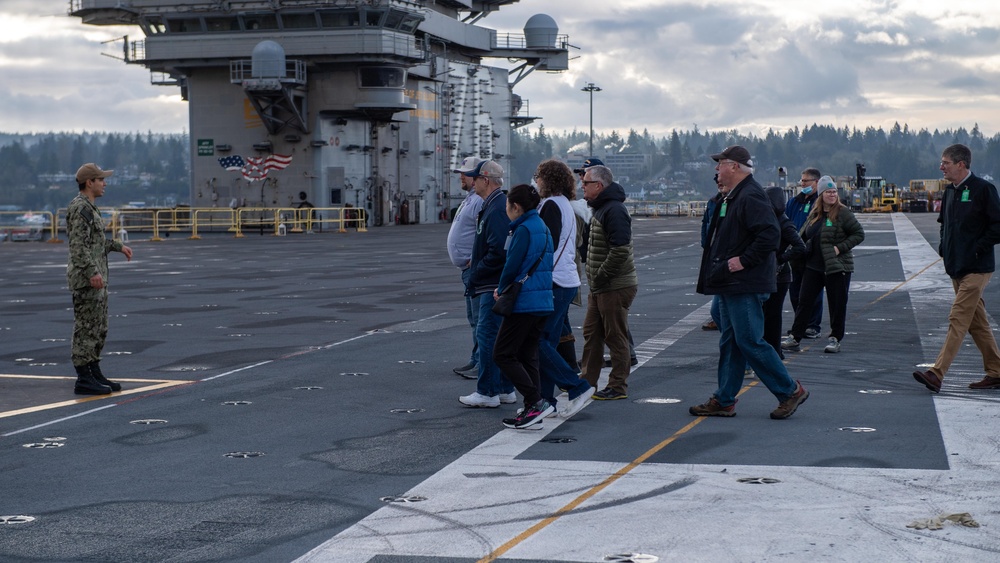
(554, 370)
(472, 313)
(491, 382)
(741, 321)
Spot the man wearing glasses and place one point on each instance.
(970, 227)
(797, 209)
(739, 268)
(488, 257)
(612, 280)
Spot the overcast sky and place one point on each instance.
(662, 64)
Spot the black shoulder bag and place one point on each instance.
(504, 305)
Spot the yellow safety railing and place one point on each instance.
(120, 222)
(283, 220)
(25, 225)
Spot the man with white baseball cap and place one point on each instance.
(460, 239)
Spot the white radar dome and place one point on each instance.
(268, 60)
(540, 32)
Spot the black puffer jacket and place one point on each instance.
(749, 230)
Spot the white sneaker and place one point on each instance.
(478, 400)
(749, 373)
(573, 406)
(508, 398)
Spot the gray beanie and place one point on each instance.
(825, 183)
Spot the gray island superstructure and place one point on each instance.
(367, 103)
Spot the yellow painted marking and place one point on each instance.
(157, 384)
(520, 538)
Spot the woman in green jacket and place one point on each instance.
(829, 233)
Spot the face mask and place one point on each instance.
(807, 190)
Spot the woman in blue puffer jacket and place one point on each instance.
(516, 348)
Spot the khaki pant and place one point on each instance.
(607, 323)
(968, 315)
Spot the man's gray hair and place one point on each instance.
(744, 168)
(602, 174)
(492, 171)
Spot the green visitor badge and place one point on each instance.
(808, 205)
(722, 210)
(829, 223)
(965, 194)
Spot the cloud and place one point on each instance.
(719, 64)
(662, 64)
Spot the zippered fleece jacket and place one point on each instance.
(610, 259)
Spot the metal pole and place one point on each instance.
(591, 87)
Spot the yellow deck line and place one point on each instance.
(159, 384)
(520, 538)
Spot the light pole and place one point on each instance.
(591, 87)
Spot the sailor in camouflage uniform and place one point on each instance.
(87, 274)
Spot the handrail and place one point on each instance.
(121, 221)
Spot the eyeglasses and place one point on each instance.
(808, 180)
(586, 182)
(947, 163)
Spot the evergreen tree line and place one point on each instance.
(39, 169)
(898, 155)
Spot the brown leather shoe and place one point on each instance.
(929, 379)
(709, 325)
(987, 383)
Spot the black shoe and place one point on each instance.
(634, 361)
(87, 385)
(609, 394)
(95, 370)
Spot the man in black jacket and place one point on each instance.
(970, 227)
(738, 267)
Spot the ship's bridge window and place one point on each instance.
(394, 18)
(339, 18)
(152, 25)
(256, 22)
(410, 23)
(184, 25)
(373, 18)
(382, 77)
(222, 23)
(299, 21)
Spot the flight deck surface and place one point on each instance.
(291, 398)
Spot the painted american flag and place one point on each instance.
(257, 167)
(234, 162)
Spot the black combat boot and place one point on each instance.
(95, 369)
(568, 352)
(87, 385)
